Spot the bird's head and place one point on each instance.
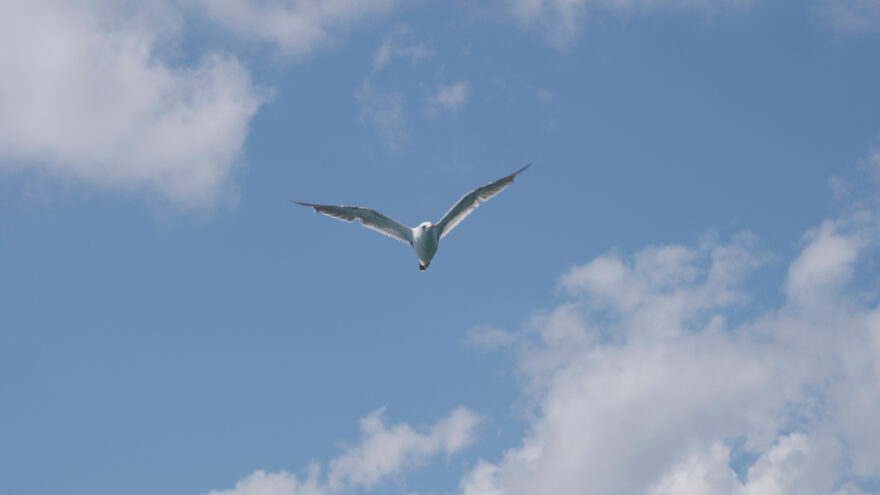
(425, 225)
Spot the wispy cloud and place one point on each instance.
(87, 96)
(392, 47)
(850, 16)
(383, 451)
(562, 20)
(384, 111)
(297, 27)
(489, 337)
(449, 97)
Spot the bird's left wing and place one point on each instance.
(471, 200)
(370, 218)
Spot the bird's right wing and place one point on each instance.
(370, 219)
(471, 200)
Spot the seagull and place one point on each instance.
(426, 237)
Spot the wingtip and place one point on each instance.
(520, 170)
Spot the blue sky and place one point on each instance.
(679, 297)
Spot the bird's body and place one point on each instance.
(425, 242)
(425, 238)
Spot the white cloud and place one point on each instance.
(281, 483)
(705, 473)
(824, 265)
(562, 20)
(385, 112)
(481, 480)
(298, 27)
(450, 97)
(391, 48)
(796, 464)
(658, 288)
(88, 91)
(85, 95)
(639, 382)
(383, 451)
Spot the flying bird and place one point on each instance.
(426, 237)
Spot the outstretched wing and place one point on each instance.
(473, 199)
(370, 218)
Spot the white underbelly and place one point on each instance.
(425, 246)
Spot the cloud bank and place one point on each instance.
(650, 378)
